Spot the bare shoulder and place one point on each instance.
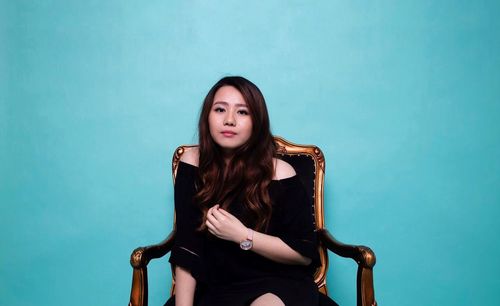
(191, 156)
(282, 170)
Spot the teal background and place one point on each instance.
(403, 97)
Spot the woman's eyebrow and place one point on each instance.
(226, 104)
(221, 102)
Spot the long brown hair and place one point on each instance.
(246, 177)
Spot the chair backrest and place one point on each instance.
(309, 163)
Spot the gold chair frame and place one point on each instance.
(364, 256)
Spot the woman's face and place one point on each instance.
(229, 120)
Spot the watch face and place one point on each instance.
(246, 245)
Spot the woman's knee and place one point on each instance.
(268, 299)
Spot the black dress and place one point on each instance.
(227, 275)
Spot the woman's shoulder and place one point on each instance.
(282, 169)
(191, 156)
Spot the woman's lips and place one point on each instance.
(228, 133)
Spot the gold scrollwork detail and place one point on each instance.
(136, 257)
(177, 156)
(320, 158)
(281, 149)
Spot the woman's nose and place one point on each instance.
(229, 119)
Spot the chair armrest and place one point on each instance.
(361, 254)
(365, 258)
(139, 260)
(142, 255)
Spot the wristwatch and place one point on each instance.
(247, 244)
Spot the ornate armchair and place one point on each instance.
(309, 164)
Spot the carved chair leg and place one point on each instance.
(139, 293)
(366, 294)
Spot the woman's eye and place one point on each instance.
(243, 112)
(218, 110)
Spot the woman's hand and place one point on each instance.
(224, 225)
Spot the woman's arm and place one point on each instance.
(185, 285)
(275, 249)
(225, 226)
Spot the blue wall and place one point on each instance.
(403, 98)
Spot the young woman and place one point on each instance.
(244, 228)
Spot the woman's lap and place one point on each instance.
(323, 300)
(291, 292)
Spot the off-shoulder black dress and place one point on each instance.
(227, 275)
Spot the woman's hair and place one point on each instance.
(246, 177)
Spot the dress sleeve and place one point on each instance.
(297, 220)
(187, 251)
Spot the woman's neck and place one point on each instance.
(227, 156)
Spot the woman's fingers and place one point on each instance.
(212, 210)
(224, 225)
(224, 213)
(218, 215)
(211, 228)
(211, 218)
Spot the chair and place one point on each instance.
(309, 163)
